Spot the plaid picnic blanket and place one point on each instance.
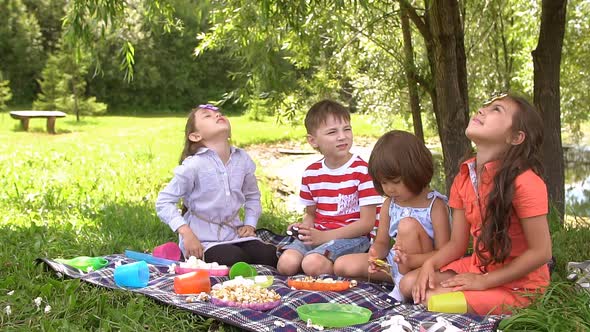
(369, 295)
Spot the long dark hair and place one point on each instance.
(494, 245)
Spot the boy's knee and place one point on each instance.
(341, 267)
(289, 263)
(315, 264)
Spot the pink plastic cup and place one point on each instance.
(168, 250)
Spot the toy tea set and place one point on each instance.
(246, 289)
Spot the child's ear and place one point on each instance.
(311, 141)
(194, 137)
(518, 138)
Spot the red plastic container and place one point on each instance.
(192, 283)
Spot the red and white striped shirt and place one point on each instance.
(338, 193)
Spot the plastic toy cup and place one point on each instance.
(452, 303)
(168, 250)
(242, 269)
(192, 283)
(132, 275)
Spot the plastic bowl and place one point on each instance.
(334, 314)
(242, 269)
(212, 272)
(262, 281)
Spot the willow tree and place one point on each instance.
(283, 43)
(442, 29)
(547, 63)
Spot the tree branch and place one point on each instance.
(416, 19)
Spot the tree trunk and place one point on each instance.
(546, 61)
(410, 70)
(450, 80)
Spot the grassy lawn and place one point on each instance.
(90, 190)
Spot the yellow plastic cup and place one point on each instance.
(451, 303)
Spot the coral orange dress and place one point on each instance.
(530, 200)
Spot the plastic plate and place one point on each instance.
(334, 314)
(337, 286)
(212, 272)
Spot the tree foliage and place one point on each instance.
(21, 56)
(5, 93)
(278, 57)
(63, 85)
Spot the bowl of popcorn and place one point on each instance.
(194, 264)
(244, 295)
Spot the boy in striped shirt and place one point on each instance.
(340, 200)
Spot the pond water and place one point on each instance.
(577, 181)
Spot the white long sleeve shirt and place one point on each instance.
(214, 193)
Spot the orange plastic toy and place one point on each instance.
(319, 285)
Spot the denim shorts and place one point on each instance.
(334, 248)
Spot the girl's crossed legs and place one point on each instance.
(411, 237)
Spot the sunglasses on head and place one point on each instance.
(495, 96)
(209, 107)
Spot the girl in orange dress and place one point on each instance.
(499, 198)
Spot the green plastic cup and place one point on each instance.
(242, 269)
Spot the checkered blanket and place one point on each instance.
(284, 317)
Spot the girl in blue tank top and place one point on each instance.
(413, 217)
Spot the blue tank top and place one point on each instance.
(422, 215)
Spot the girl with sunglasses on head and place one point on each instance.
(214, 181)
(499, 199)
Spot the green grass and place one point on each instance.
(90, 190)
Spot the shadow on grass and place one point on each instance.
(40, 130)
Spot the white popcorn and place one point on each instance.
(195, 263)
(245, 294)
(8, 310)
(37, 301)
(47, 309)
(10, 293)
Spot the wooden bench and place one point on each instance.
(24, 117)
